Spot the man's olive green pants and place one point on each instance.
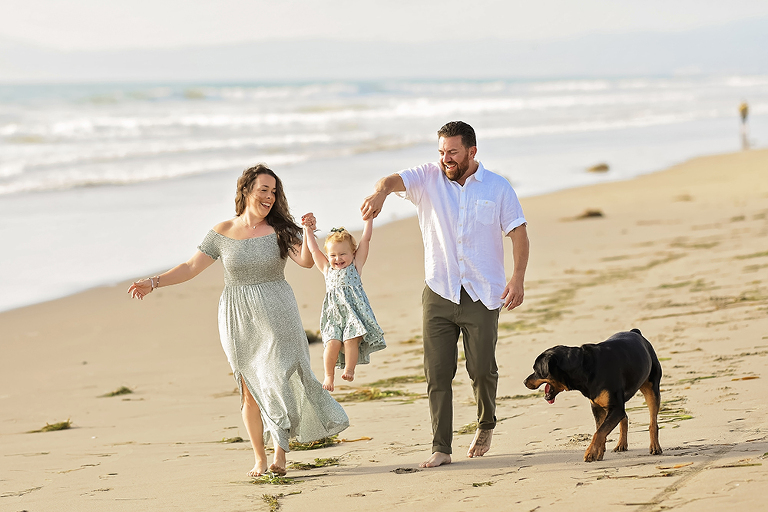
(443, 321)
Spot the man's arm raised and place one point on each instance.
(373, 204)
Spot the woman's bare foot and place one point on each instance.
(258, 470)
(328, 383)
(278, 462)
(481, 443)
(349, 374)
(437, 459)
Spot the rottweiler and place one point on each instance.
(609, 374)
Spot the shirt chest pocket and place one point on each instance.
(485, 212)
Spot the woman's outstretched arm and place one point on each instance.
(178, 274)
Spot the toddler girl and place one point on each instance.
(349, 329)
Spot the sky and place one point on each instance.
(120, 24)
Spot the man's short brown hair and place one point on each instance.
(461, 128)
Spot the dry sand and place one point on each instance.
(680, 254)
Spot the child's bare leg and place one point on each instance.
(330, 355)
(255, 428)
(351, 351)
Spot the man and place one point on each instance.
(464, 212)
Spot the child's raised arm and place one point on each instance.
(309, 222)
(364, 246)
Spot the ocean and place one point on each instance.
(104, 182)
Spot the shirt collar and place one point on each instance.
(479, 173)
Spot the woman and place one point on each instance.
(259, 323)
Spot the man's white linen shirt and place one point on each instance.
(463, 229)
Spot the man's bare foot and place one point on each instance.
(258, 470)
(437, 459)
(328, 383)
(481, 443)
(348, 375)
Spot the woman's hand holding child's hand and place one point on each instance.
(308, 221)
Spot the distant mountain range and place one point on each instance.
(740, 47)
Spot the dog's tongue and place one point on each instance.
(546, 392)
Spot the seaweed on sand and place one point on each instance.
(122, 390)
(273, 479)
(401, 379)
(272, 500)
(314, 445)
(368, 394)
(469, 428)
(319, 463)
(50, 427)
(537, 394)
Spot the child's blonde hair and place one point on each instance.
(340, 235)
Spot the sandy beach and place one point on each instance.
(680, 254)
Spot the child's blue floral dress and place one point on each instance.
(347, 314)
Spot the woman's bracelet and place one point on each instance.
(154, 282)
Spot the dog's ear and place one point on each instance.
(567, 365)
(541, 365)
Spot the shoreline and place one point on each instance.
(679, 253)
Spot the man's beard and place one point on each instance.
(458, 171)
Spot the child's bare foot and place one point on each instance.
(328, 383)
(258, 470)
(349, 374)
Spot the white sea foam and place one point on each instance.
(116, 174)
(747, 81)
(573, 85)
(165, 132)
(9, 169)
(598, 126)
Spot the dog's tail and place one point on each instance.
(637, 331)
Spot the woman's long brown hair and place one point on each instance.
(279, 217)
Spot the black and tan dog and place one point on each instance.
(609, 374)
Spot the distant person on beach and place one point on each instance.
(744, 112)
(464, 212)
(348, 327)
(259, 323)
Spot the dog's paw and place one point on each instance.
(621, 447)
(655, 450)
(594, 453)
